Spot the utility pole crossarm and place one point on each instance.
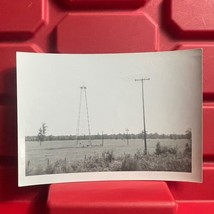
(142, 79)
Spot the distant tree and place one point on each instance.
(188, 134)
(41, 133)
(50, 137)
(44, 128)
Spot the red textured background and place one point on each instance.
(102, 26)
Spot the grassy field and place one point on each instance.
(65, 155)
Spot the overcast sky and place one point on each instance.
(49, 91)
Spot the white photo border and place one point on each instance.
(194, 176)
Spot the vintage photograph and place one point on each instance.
(103, 115)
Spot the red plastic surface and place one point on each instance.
(111, 197)
(122, 32)
(101, 26)
(8, 65)
(195, 198)
(20, 200)
(22, 19)
(208, 124)
(8, 131)
(208, 64)
(102, 4)
(193, 17)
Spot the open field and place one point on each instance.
(67, 153)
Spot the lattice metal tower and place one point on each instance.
(83, 91)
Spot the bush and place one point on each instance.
(158, 148)
(129, 164)
(139, 154)
(108, 156)
(187, 150)
(164, 159)
(60, 166)
(165, 149)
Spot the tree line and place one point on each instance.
(42, 136)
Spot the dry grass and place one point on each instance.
(163, 159)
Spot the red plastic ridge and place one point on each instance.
(195, 197)
(106, 33)
(114, 197)
(102, 4)
(193, 18)
(22, 19)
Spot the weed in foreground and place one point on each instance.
(164, 159)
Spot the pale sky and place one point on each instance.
(49, 91)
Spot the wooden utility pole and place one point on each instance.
(127, 136)
(102, 139)
(144, 117)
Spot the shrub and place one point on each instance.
(139, 154)
(158, 148)
(108, 156)
(129, 164)
(115, 165)
(187, 150)
(38, 171)
(164, 159)
(165, 149)
(60, 166)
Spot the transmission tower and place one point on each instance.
(83, 91)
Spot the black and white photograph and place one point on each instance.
(91, 117)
